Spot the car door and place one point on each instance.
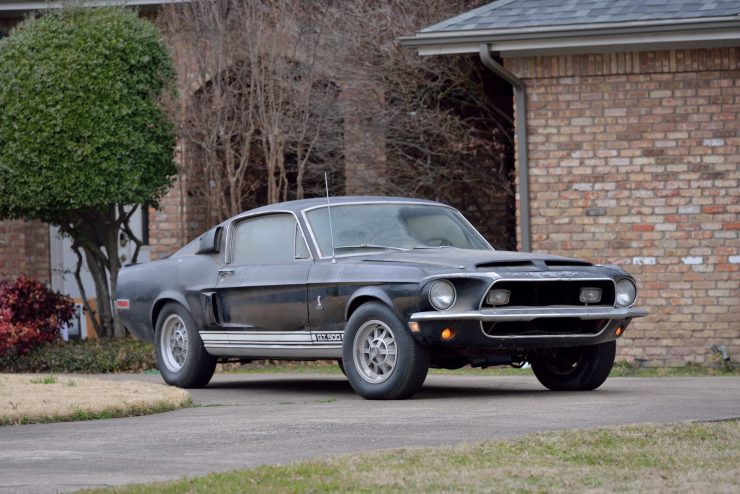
(262, 286)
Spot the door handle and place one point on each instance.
(224, 272)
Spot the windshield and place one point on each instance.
(367, 227)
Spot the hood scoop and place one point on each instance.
(566, 264)
(505, 264)
(533, 264)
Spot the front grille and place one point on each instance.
(544, 326)
(543, 293)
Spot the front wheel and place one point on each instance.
(575, 369)
(381, 360)
(181, 357)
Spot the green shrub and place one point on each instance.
(83, 131)
(88, 357)
(81, 127)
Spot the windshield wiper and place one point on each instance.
(368, 246)
(419, 247)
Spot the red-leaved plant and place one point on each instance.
(30, 314)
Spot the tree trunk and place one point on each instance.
(96, 234)
(114, 266)
(101, 291)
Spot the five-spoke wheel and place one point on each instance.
(381, 359)
(375, 351)
(181, 357)
(174, 343)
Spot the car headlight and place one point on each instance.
(626, 293)
(442, 294)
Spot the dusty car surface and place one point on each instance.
(387, 286)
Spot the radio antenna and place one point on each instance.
(331, 228)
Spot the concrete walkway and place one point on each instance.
(243, 421)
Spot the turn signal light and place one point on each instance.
(619, 331)
(447, 334)
(414, 327)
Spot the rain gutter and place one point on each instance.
(706, 29)
(520, 98)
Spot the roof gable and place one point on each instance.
(509, 14)
(538, 27)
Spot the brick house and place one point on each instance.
(631, 154)
(628, 150)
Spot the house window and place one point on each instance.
(144, 225)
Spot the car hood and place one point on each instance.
(473, 260)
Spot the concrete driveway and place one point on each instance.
(242, 421)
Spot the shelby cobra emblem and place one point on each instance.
(387, 286)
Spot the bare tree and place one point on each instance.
(260, 114)
(447, 135)
(281, 90)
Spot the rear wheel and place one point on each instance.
(575, 369)
(181, 357)
(381, 360)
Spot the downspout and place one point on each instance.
(520, 96)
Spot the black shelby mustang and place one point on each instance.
(387, 286)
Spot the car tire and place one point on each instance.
(381, 359)
(575, 369)
(181, 357)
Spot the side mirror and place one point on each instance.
(210, 241)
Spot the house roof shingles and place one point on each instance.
(512, 14)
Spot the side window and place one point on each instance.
(301, 248)
(265, 240)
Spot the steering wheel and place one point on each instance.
(385, 237)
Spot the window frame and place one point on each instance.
(321, 256)
(231, 237)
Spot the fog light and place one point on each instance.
(590, 295)
(498, 297)
(447, 334)
(414, 327)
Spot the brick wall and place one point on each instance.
(635, 160)
(24, 250)
(180, 218)
(364, 144)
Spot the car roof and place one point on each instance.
(300, 205)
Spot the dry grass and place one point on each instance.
(682, 458)
(29, 398)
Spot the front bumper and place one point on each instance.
(469, 326)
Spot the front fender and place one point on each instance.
(402, 298)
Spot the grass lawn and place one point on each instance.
(703, 457)
(30, 399)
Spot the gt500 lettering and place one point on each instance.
(328, 337)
